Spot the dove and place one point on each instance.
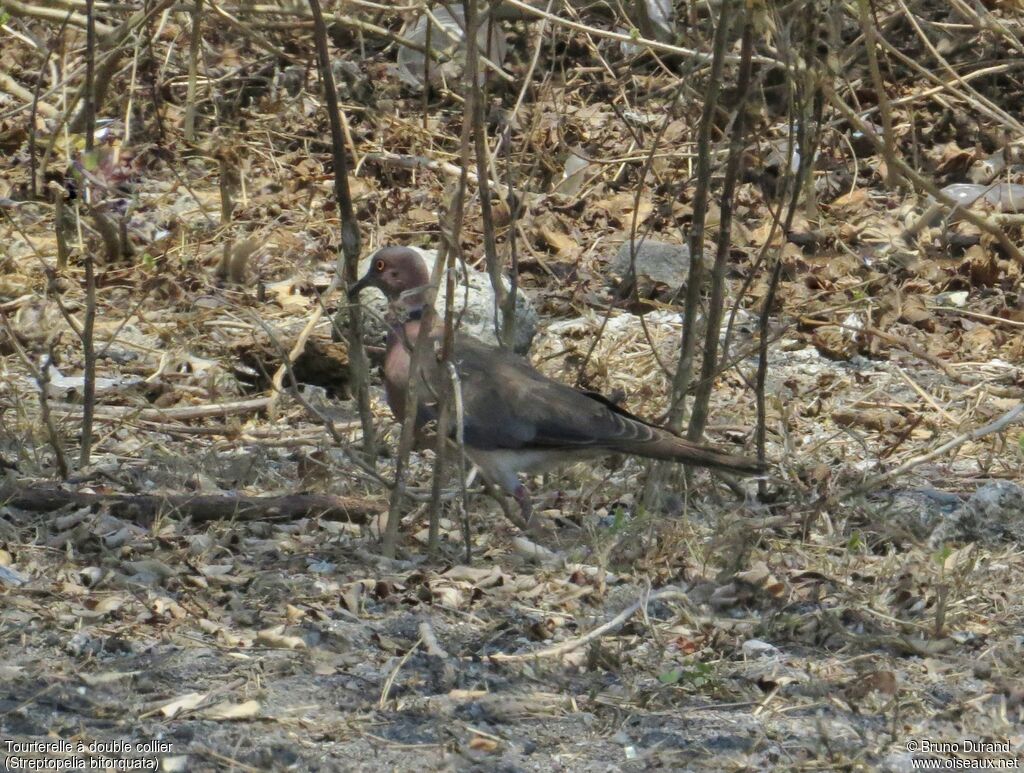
(514, 419)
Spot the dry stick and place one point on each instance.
(441, 167)
(802, 184)
(988, 22)
(89, 352)
(867, 25)
(504, 315)
(716, 301)
(258, 40)
(389, 682)
(11, 86)
(688, 342)
(48, 272)
(185, 413)
(527, 77)
(148, 36)
(460, 444)
(971, 96)
(653, 45)
(98, 85)
(761, 431)
(107, 7)
(129, 102)
(511, 198)
(296, 351)
(450, 247)
(925, 396)
(350, 245)
(634, 290)
(979, 315)
(455, 42)
(60, 215)
(873, 483)
(18, 8)
(449, 402)
(89, 323)
(365, 27)
(42, 377)
(452, 238)
(90, 76)
(195, 41)
(425, 96)
(38, 107)
(327, 423)
(440, 453)
(199, 507)
(563, 648)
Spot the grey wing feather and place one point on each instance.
(509, 404)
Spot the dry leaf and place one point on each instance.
(186, 702)
(228, 710)
(276, 638)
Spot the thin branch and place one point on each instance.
(564, 648)
(350, 240)
(873, 483)
(640, 42)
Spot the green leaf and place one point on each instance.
(941, 556)
(671, 676)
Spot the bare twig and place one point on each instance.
(716, 300)
(390, 681)
(89, 359)
(18, 8)
(874, 482)
(195, 43)
(564, 648)
(694, 280)
(923, 184)
(42, 378)
(640, 42)
(350, 241)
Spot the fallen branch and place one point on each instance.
(11, 86)
(18, 8)
(871, 484)
(565, 647)
(201, 508)
(184, 413)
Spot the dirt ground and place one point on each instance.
(866, 614)
(294, 646)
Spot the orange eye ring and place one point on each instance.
(378, 266)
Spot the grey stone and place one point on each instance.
(449, 36)
(661, 262)
(916, 512)
(993, 514)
